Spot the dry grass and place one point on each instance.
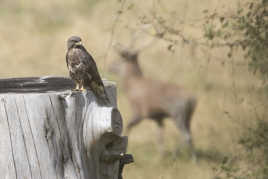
(33, 36)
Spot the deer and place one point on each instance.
(152, 99)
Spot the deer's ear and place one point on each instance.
(114, 67)
(124, 52)
(135, 52)
(119, 48)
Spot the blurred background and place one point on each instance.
(229, 127)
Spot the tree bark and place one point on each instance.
(48, 131)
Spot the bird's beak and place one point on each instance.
(79, 43)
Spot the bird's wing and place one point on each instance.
(94, 80)
(67, 60)
(90, 66)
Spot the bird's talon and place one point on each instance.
(76, 88)
(82, 88)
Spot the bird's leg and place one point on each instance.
(82, 88)
(76, 87)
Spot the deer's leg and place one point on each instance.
(76, 87)
(161, 142)
(184, 128)
(133, 122)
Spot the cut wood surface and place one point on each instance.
(48, 131)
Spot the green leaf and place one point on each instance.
(131, 6)
(205, 11)
(225, 24)
(229, 54)
(239, 11)
(248, 14)
(250, 5)
(225, 160)
(222, 19)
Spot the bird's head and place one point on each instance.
(73, 40)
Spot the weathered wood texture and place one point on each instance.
(48, 131)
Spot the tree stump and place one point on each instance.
(48, 131)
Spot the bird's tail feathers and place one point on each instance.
(102, 98)
(99, 91)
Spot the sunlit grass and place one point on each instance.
(33, 43)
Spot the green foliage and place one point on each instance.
(254, 149)
(227, 169)
(256, 137)
(246, 28)
(255, 141)
(254, 25)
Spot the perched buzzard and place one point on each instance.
(83, 69)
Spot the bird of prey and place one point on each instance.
(83, 69)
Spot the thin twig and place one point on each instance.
(119, 13)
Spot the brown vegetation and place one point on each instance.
(34, 34)
(152, 99)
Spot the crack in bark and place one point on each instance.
(35, 149)
(11, 145)
(23, 138)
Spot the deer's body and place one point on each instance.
(155, 99)
(152, 99)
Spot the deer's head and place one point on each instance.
(127, 62)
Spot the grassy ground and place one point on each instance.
(33, 36)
